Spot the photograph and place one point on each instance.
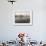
(23, 18)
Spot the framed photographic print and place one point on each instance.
(23, 18)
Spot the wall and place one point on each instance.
(9, 31)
